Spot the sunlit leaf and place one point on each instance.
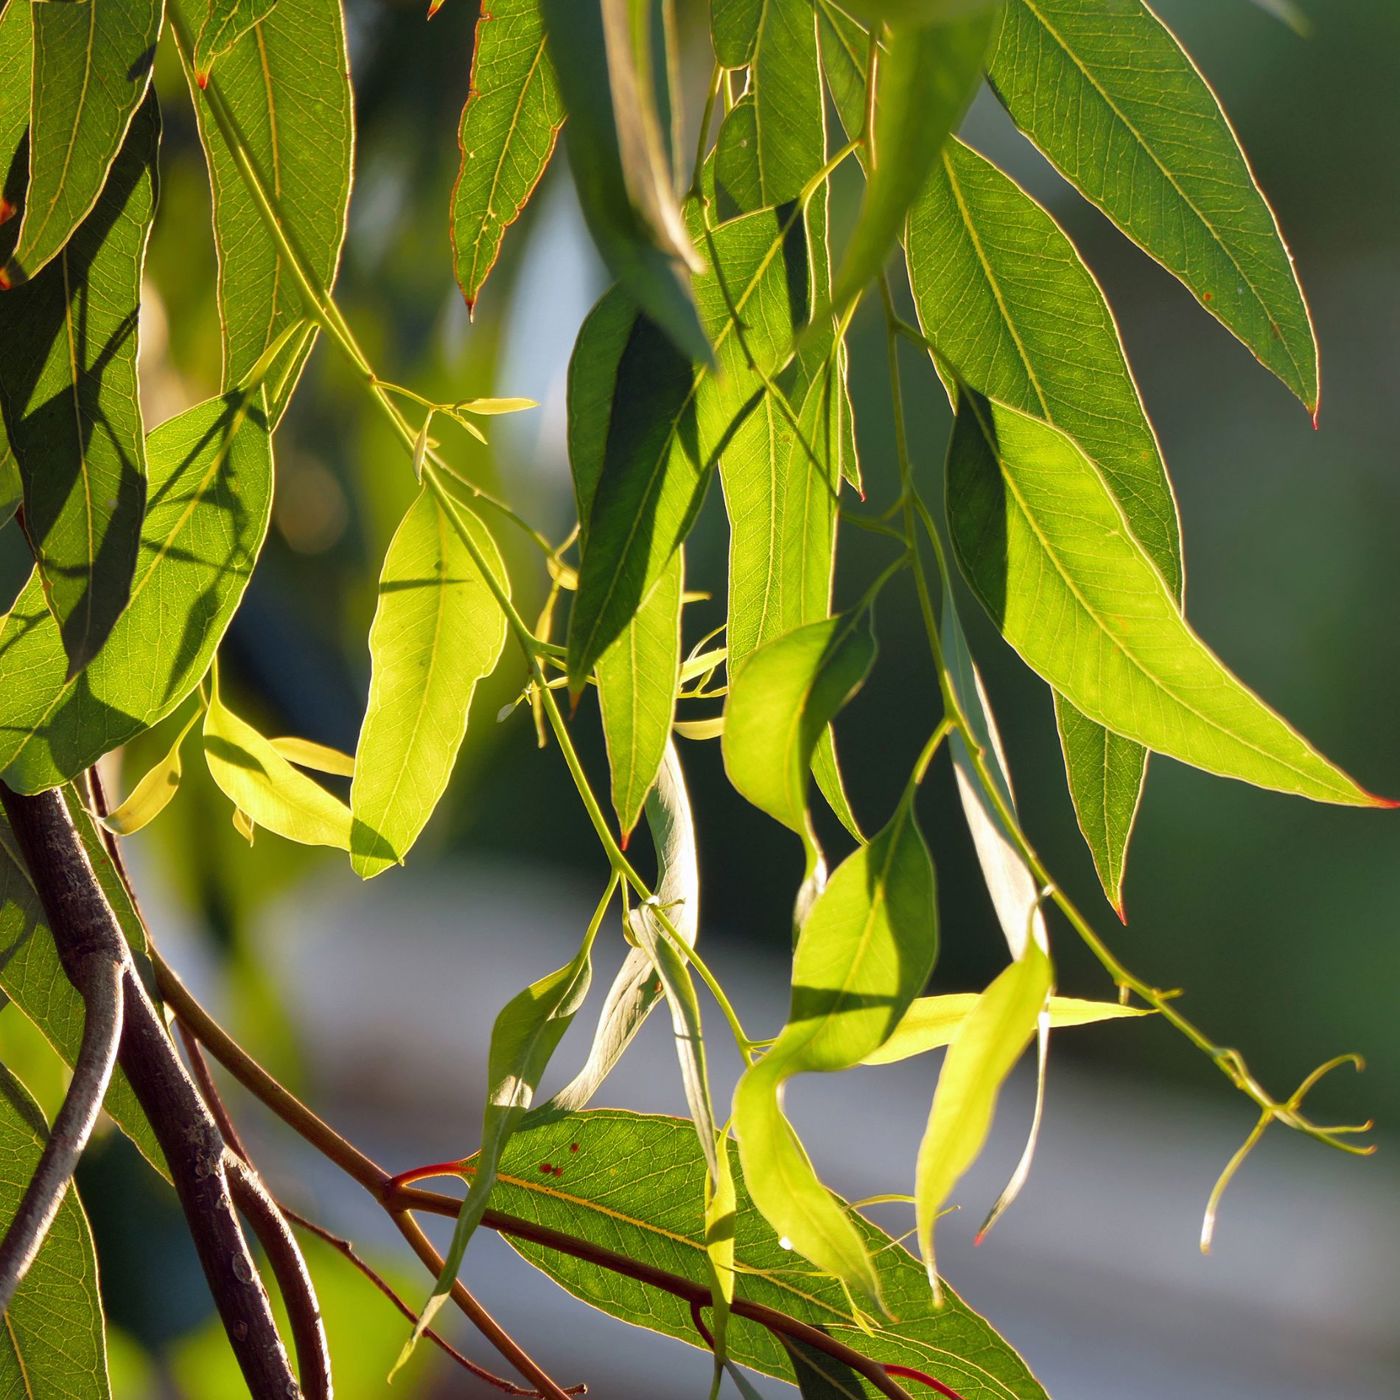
(92, 66)
(925, 77)
(286, 84)
(982, 1053)
(618, 160)
(1049, 553)
(863, 954)
(209, 490)
(437, 631)
(1108, 95)
(68, 388)
(509, 125)
(734, 30)
(53, 1341)
(225, 23)
(654, 1215)
(153, 792)
(933, 1022)
(490, 407)
(318, 757)
(781, 700)
(264, 786)
(789, 119)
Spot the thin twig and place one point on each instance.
(101, 990)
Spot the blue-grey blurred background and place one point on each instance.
(1278, 918)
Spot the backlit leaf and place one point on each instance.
(68, 388)
(656, 1215)
(789, 119)
(153, 793)
(92, 66)
(734, 30)
(1106, 92)
(53, 1342)
(864, 952)
(509, 125)
(437, 631)
(286, 85)
(320, 759)
(226, 22)
(209, 491)
(264, 786)
(1048, 551)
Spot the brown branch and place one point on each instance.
(101, 990)
(83, 927)
(398, 1201)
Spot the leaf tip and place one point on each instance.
(7, 210)
(471, 301)
(6, 281)
(434, 6)
(1386, 804)
(201, 79)
(1118, 908)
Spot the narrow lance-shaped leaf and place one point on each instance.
(53, 1341)
(1047, 550)
(92, 66)
(1003, 294)
(789, 120)
(16, 57)
(68, 351)
(982, 1054)
(618, 162)
(209, 484)
(286, 86)
(509, 125)
(660, 452)
(437, 631)
(1105, 91)
(864, 953)
(734, 30)
(264, 786)
(155, 790)
(225, 23)
(651, 1215)
(925, 77)
(318, 757)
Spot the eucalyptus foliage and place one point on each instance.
(720, 350)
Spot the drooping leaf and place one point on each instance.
(437, 631)
(154, 791)
(721, 1211)
(789, 117)
(16, 57)
(819, 1376)
(925, 78)
(1105, 91)
(34, 980)
(656, 1215)
(864, 952)
(68, 390)
(982, 1053)
(619, 162)
(933, 1022)
(1048, 551)
(286, 87)
(734, 30)
(225, 23)
(92, 66)
(509, 125)
(318, 757)
(264, 786)
(53, 1341)
(781, 700)
(209, 491)
(677, 419)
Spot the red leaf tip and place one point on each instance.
(201, 80)
(1387, 804)
(5, 282)
(7, 210)
(623, 840)
(1120, 911)
(434, 6)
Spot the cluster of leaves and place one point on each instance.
(720, 350)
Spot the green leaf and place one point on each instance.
(789, 117)
(17, 57)
(53, 1342)
(264, 786)
(226, 22)
(209, 491)
(34, 980)
(618, 159)
(153, 793)
(286, 85)
(523, 1039)
(903, 12)
(11, 491)
(863, 954)
(925, 78)
(1106, 92)
(933, 1022)
(1047, 550)
(781, 699)
(981, 1055)
(509, 125)
(671, 420)
(734, 30)
(437, 631)
(68, 350)
(822, 1377)
(656, 1215)
(1003, 294)
(318, 757)
(92, 66)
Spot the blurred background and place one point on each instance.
(1278, 918)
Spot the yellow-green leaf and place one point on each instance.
(153, 793)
